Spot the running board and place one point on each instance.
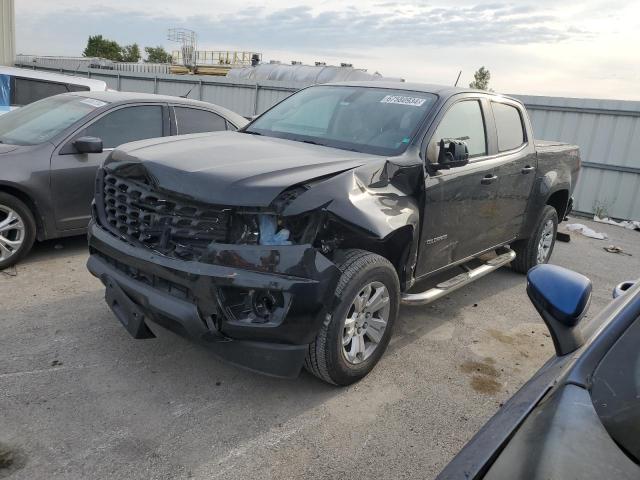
(458, 281)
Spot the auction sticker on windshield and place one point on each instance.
(402, 100)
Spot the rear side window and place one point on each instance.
(509, 126)
(193, 120)
(127, 125)
(27, 90)
(464, 121)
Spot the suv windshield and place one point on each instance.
(364, 119)
(40, 121)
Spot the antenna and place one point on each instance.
(187, 38)
(186, 95)
(457, 79)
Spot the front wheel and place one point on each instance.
(538, 248)
(350, 344)
(17, 230)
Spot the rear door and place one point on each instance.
(73, 174)
(461, 204)
(516, 165)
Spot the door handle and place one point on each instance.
(528, 169)
(488, 179)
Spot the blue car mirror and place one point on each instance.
(561, 297)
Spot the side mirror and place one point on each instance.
(88, 145)
(453, 153)
(561, 297)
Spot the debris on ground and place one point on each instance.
(586, 231)
(628, 224)
(563, 237)
(616, 249)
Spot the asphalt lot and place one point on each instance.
(81, 399)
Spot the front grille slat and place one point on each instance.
(175, 227)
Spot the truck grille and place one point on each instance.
(175, 227)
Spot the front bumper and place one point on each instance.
(188, 297)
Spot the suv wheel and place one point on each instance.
(538, 248)
(17, 230)
(367, 301)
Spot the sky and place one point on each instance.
(569, 48)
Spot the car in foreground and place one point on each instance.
(579, 415)
(294, 240)
(21, 86)
(50, 151)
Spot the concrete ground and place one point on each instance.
(81, 399)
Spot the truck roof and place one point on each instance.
(440, 90)
(93, 84)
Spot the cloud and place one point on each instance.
(300, 28)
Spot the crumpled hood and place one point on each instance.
(230, 168)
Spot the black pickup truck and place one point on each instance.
(293, 241)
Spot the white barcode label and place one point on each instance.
(402, 100)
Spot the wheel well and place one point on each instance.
(395, 247)
(19, 194)
(559, 200)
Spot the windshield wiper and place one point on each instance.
(250, 132)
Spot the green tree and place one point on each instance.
(157, 55)
(131, 53)
(98, 46)
(481, 79)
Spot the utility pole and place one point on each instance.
(7, 32)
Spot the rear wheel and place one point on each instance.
(17, 230)
(538, 248)
(367, 300)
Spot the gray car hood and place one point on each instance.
(6, 148)
(230, 168)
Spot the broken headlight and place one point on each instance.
(270, 229)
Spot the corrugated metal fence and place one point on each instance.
(608, 134)
(607, 131)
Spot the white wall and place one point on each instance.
(7, 32)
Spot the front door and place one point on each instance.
(461, 204)
(73, 174)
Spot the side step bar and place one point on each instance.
(458, 281)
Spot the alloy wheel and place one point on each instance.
(366, 322)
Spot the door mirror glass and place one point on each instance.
(452, 152)
(561, 297)
(88, 145)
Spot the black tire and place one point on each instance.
(325, 356)
(527, 249)
(28, 235)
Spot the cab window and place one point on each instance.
(509, 126)
(463, 121)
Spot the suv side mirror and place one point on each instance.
(453, 153)
(88, 145)
(561, 297)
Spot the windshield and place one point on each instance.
(40, 121)
(369, 120)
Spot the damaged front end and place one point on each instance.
(254, 283)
